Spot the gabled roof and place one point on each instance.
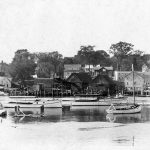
(82, 76)
(141, 75)
(107, 68)
(103, 80)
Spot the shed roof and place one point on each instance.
(82, 76)
(103, 80)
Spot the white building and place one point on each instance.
(141, 80)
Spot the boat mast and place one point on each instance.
(133, 84)
(53, 87)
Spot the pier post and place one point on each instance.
(17, 110)
(42, 109)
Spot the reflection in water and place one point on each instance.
(100, 127)
(124, 140)
(80, 114)
(79, 126)
(124, 118)
(50, 115)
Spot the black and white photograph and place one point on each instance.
(74, 74)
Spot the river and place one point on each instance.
(80, 128)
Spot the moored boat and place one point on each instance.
(24, 96)
(98, 102)
(127, 109)
(34, 104)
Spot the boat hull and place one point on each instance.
(97, 103)
(125, 111)
(49, 104)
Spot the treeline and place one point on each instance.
(51, 64)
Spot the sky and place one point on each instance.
(65, 25)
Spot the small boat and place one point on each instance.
(127, 109)
(34, 104)
(97, 102)
(3, 112)
(22, 96)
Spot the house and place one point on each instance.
(71, 68)
(120, 75)
(43, 87)
(4, 69)
(48, 87)
(5, 82)
(42, 84)
(102, 83)
(104, 71)
(96, 70)
(139, 82)
(80, 81)
(89, 68)
(5, 79)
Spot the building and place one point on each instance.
(120, 75)
(5, 79)
(80, 81)
(71, 68)
(96, 70)
(42, 84)
(5, 82)
(104, 71)
(4, 69)
(141, 80)
(102, 83)
(138, 83)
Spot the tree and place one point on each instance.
(49, 64)
(57, 62)
(22, 67)
(146, 59)
(70, 60)
(121, 50)
(137, 60)
(100, 57)
(85, 54)
(44, 67)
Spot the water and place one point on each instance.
(77, 128)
